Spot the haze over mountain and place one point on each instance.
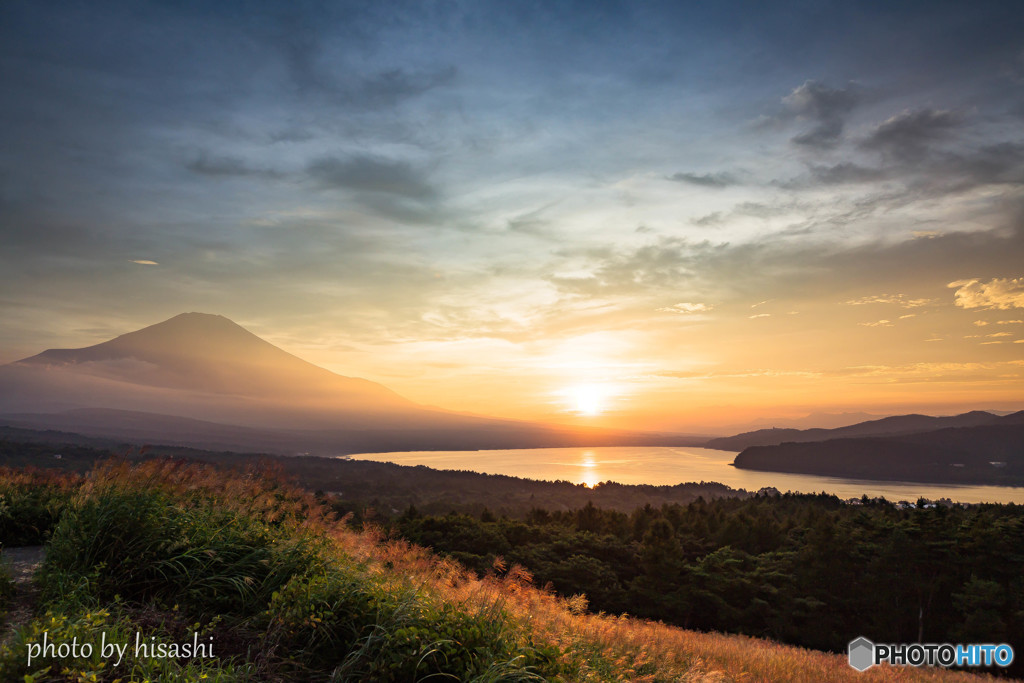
(209, 353)
(887, 426)
(201, 379)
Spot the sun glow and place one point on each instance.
(587, 400)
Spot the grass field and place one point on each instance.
(177, 554)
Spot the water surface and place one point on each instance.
(670, 466)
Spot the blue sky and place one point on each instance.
(685, 206)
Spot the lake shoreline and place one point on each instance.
(672, 466)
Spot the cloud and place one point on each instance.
(846, 172)
(1000, 293)
(826, 107)
(388, 88)
(923, 171)
(743, 374)
(371, 174)
(713, 218)
(760, 315)
(897, 299)
(705, 179)
(229, 166)
(908, 135)
(878, 323)
(686, 307)
(307, 44)
(662, 265)
(1010, 322)
(145, 262)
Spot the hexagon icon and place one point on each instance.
(862, 654)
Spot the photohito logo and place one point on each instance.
(864, 654)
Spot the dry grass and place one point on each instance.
(620, 648)
(594, 647)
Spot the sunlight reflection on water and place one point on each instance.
(670, 466)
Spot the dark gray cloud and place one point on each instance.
(826, 108)
(721, 179)
(713, 218)
(909, 136)
(916, 163)
(225, 166)
(1002, 163)
(388, 88)
(372, 174)
(845, 172)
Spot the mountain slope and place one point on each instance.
(987, 454)
(202, 380)
(204, 352)
(887, 426)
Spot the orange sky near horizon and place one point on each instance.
(660, 215)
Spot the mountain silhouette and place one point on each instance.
(897, 425)
(202, 380)
(210, 353)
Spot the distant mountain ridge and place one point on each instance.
(201, 380)
(990, 453)
(887, 426)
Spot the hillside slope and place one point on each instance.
(887, 426)
(282, 593)
(990, 454)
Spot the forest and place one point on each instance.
(809, 570)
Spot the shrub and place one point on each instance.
(176, 540)
(31, 502)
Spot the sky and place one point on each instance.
(670, 216)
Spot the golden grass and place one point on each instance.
(620, 648)
(597, 647)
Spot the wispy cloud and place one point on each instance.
(896, 299)
(371, 174)
(721, 179)
(686, 307)
(145, 262)
(226, 166)
(909, 135)
(999, 293)
(827, 109)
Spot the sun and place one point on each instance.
(588, 400)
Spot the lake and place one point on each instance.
(670, 466)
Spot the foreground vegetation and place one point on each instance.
(809, 570)
(261, 570)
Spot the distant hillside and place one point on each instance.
(990, 454)
(888, 426)
(358, 485)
